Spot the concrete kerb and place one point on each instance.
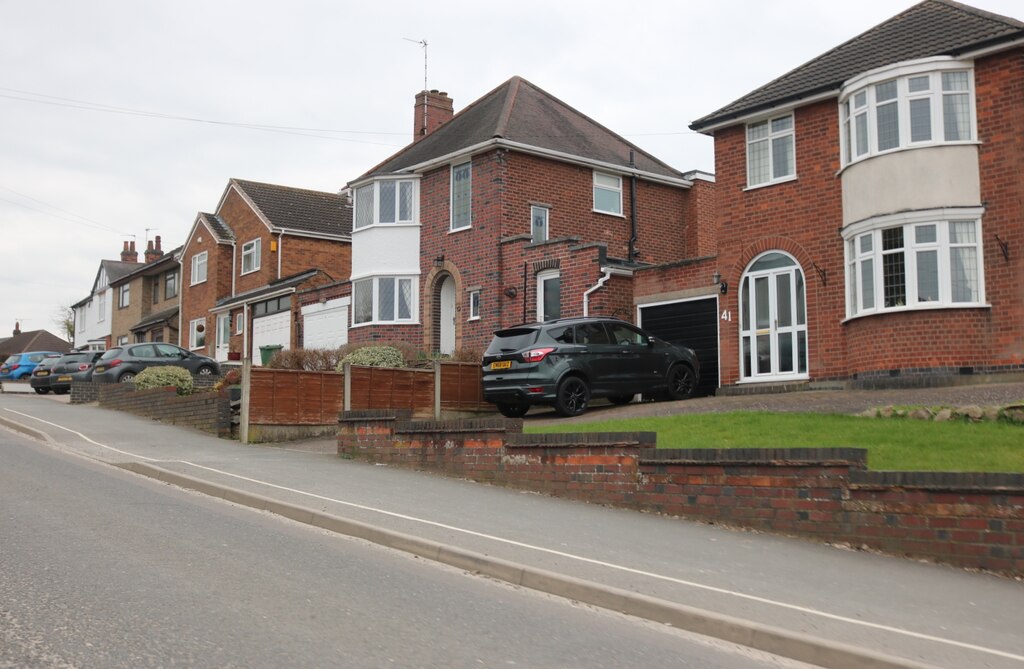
(794, 645)
(25, 429)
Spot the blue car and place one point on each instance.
(20, 365)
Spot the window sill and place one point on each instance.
(785, 180)
(472, 318)
(924, 306)
(371, 323)
(608, 213)
(464, 228)
(252, 271)
(404, 224)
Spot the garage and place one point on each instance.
(693, 323)
(270, 330)
(325, 325)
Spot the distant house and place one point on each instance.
(871, 209)
(146, 299)
(33, 340)
(242, 266)
(519, 208)
(94, 314)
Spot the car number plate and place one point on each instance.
(42, 373)
(99, 369)
(64, 378)
(501, 364)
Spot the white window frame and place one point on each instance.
(223, 329)
(771, 141)
(239, 322)
(858, 107)
(374, 284)
(251, 256)
(474, 305)
(864, 253)
(124, 295)
(542, 277)
(545, 212)
(199, 262)
(197, 337)
(367, 198)
(608, 184)
(457, 225)
(102, 304)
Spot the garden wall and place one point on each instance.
(969, 520)
(206, 411)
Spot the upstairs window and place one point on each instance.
(124, 296)
(170, 285)
(770, 151)
(920, 104)
(538, 224)
(384, 202)
(251, 256)
(462, 196)
(199, 268)
(607, 193)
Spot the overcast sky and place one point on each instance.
(121, 119)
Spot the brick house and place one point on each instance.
(145, 299)
(94, 315)
(518, 208)
(871, 209)
(242, 265)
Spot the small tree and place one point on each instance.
(64, 319)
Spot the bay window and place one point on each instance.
(383, 299)
(383, 202)
(913, 261)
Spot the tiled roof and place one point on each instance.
(286, 283)
(300, 210)
(518, 111)
(930, 28)
(116, 269)
(165, 315)
(218, 226)
(34, 340)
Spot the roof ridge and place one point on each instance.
(510, 102)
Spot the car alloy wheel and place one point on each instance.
(681, 382)
(572, 397)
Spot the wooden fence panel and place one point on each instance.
(389, 388)
(289, 397)
(461, 388)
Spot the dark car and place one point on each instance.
(567, 362)
(122, 363)
(42, 375)
(71, 367)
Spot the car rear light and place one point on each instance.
(113, 363)
(84, 368)
(536, 390)
(537, 354)
(13, 367)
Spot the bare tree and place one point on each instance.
(64, 319)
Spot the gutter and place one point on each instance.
(607, 273)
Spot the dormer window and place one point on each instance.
(925, 103)
(385, 202)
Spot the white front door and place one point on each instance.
(447, 316)
(223, 336)
(773, 320)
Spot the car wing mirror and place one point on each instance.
(651, 340)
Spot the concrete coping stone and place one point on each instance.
(483, 425)
(582, 440)
(946, 481)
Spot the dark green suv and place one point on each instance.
(567, 362)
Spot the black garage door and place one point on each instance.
(693, 323)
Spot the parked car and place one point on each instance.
(567, 362)
(20, 365)
(122, 363)
(71, 367)
(42, 375)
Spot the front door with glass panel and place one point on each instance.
(773, 320)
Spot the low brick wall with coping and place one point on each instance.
(827, 494)
(206, 411)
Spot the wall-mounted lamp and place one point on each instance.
(439, 261)
(716, 278)
(511, 291)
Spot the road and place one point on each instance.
(902, 609)
(102, 568)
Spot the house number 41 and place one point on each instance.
(726, 315)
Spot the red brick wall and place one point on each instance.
(197, 300)
(970, 520)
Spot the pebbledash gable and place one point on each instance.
(869, 208)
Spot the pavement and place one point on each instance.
(830, 606)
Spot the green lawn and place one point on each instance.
(893, 444)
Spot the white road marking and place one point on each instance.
(549, 551)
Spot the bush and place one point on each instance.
(161, 377)
(231, 378)
(374, 356)
(308, 359)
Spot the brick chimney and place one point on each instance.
(17, 328)
(153, 252)
(128, 253)
(433, 109)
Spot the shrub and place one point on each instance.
(231, 378)
(161, 377)
(308, 359)
(374, 356)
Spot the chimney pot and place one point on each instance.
(433, 109)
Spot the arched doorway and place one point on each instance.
(445, 320)
(773, 320)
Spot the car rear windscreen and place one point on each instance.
(507, 341)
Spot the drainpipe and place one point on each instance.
(634, 231)
(586, 296)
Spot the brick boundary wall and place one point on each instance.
(206, 411)
(826, 494)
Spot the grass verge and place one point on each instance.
(892, 444)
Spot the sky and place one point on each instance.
(120, 120)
